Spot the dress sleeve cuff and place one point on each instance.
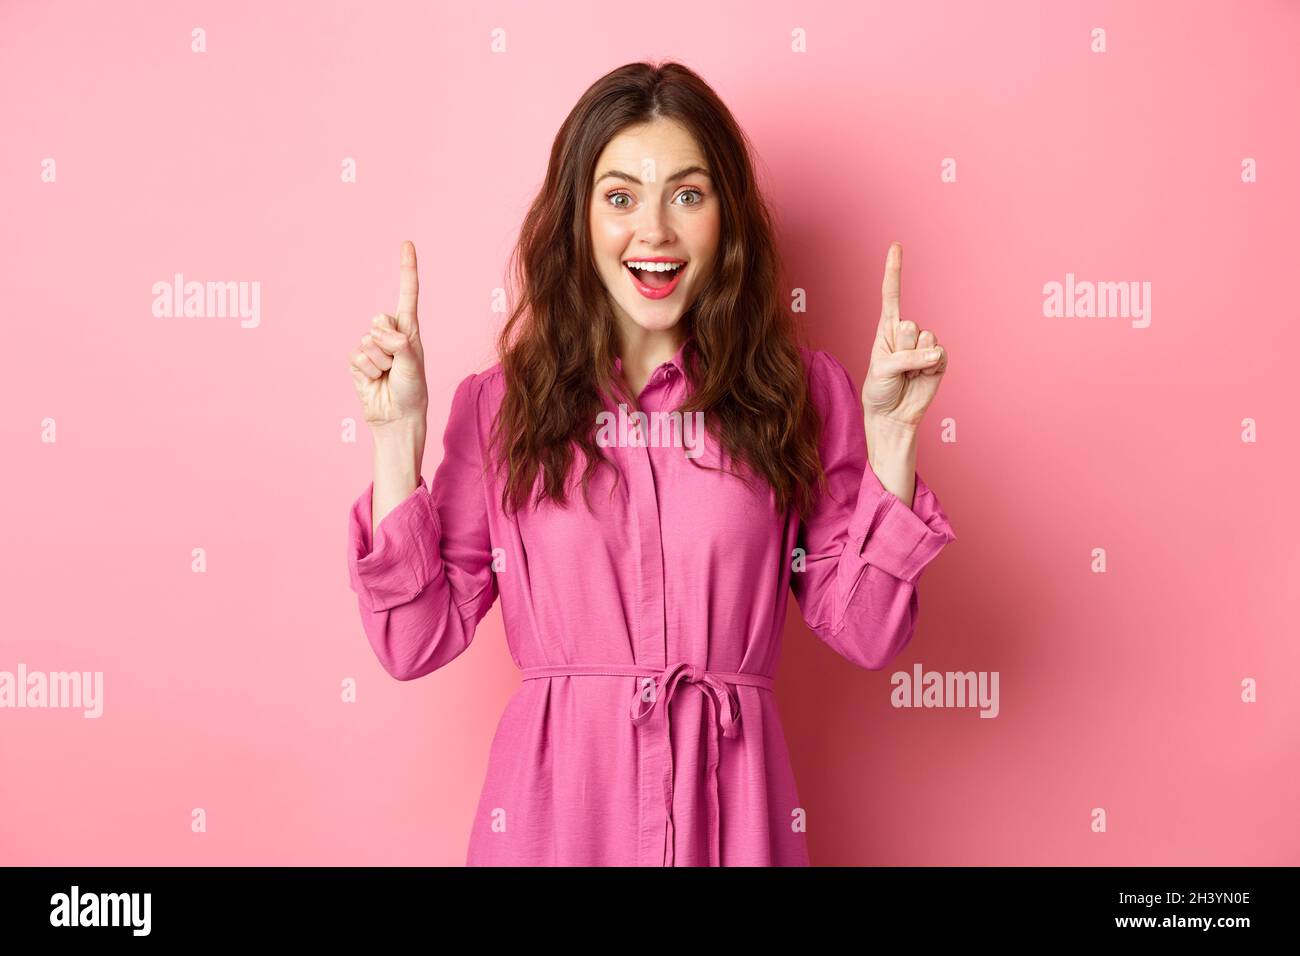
(404, 559)
(895, 538)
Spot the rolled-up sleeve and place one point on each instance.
(864, 549)
(426, 580)
(407, 557)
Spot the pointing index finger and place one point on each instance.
(408, 290)
(891, 290)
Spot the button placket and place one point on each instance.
(651, 648)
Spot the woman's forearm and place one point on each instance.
(891, 452)
(398, 458)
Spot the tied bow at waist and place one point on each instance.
(650, 708)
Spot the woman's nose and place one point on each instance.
(653, 226)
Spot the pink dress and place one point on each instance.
(644, 731)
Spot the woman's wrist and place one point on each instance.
(398, 461)
(888, 435)
(401, 432)
(397, 438)
(891, 454)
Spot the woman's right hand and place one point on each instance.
(388, 367)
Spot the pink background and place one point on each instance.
(222, 690)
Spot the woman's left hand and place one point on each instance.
(906, 367)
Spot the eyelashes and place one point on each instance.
(609, 198)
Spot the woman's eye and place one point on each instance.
(614, 197)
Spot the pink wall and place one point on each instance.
(1119, 690)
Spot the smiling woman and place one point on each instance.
(670, 181)
(646, 619)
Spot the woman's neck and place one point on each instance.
(642, 351)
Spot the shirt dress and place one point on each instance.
(647, 629)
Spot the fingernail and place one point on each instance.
(933, 354)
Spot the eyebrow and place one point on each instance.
(684, 171)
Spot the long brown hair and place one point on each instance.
(558, 346)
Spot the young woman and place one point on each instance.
(644, 575)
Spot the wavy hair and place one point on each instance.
(558, 345)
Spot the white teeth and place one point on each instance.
(655, 266)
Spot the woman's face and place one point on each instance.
(652, 199)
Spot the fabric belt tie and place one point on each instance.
(657, 688)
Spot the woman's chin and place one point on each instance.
(650, 316)
(657, 322)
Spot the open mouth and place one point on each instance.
(655, 280)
